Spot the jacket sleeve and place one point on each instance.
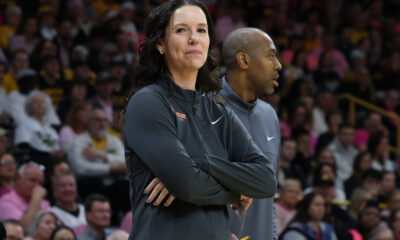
(151, 133)
(248, 172)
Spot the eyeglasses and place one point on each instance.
(7, 163)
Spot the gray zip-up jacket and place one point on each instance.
(262, 123)
(203, 155)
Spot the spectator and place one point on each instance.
(35, 133)
(63, 233)
(8, 173)
(118, 235)
(103, 98)
(344, 153)
(14, 229)
(77, 93)
(394, 223)
(371, 180)
(369, 221)
(362, 163)
(13, 19)
(388, 184)
(124, 47)
(19, 61)
(76, 123)
(68, 211)
(289, 196)
(326, 156)
(392, 203)
(372, 124)
(334, 119)
(303, 156)
(286, 168)
(26, 38)
(46, 17)
(64, 42)
(324, 104)
(118, 72)
(231, 20)
(3, 96)
(378, 146)
(307, 223)
(98, 213)
(324, 176)
(127, 26)
(43, 49)
(28, 195)
(42, 225)
(358, 201)
(50, 80)
(325, 77)
(384, 234)
(81, 24)
(27, 80)
(98, 160)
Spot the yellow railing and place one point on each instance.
(353, 101)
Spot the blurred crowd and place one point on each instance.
(66, 68)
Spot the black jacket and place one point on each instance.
(203, 155)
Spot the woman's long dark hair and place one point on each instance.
(152, 64)
(302, 214)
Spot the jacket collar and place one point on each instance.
(182, 94)
(230, 95)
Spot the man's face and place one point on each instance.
(3, 144)
(100, 214)
(288, 150)
(65, 189)
(372, 184)
(98, 122)
(31, 178)
(290, 195)
(14, 231)
(52, 68)
(21, 61)
(264, 67)
(346, 136)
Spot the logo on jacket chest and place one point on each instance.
(181, 116)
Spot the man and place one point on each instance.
(98, 215)
(98, 160)
(286, 169)
(19, 61)
(252, 71)
(103, 98)
(28, 195)
(14, 230)
(71, 213)
(344, 153)
(3, 141)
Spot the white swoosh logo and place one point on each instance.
(270, 138)
(217, 120)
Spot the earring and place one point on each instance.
(161, 51)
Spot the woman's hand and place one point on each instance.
(157, 188)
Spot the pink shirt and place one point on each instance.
(13, 206)
(4, 190)
(283, 217)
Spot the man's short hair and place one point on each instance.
(61, 175)
(345, 125)
(92, 198)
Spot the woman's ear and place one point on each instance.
(160, 47)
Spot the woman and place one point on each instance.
(378, 146)
(77, 123)
(26, 38)
(362, 163)
(63, 233)
(42, 225)
(358, 201)
(307, 223)
(176, 131)
(8, 171)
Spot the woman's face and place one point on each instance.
(317, 208)
(365, 163)
(83, 114)
(30, 26)
(328, 171)
(370, 218)
(383, 147)
(8, 167)
(46, 226)
(64, 234)
(186, 42)
(290, 195)
(327, 157)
